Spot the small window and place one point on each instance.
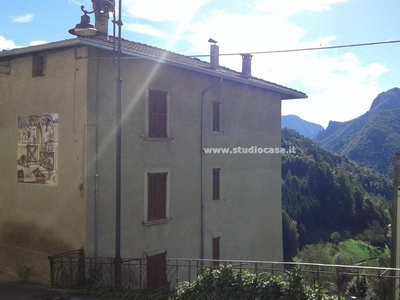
(216, 184)
(39, 65)
(5, 67)
(156, 196)
(216, 115)
(157, 118)
(157, 271)
(215, 251)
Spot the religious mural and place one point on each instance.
(38, 149)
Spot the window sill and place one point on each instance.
(156, 139)
(155, 222)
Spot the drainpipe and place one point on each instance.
(96, 216)
(97, 184)
(202, 159)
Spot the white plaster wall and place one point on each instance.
(38, 219)
(248, 220)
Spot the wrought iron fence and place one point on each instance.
(72, 270)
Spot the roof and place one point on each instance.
(135, 49)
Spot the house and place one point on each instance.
(57, 133)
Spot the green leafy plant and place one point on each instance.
(226, 283)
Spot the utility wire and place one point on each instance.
(305, 49)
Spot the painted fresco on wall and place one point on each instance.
(38, 149)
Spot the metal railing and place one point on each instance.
(73, 270)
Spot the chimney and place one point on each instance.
(246, 65)
(101, 18)
(214, 54)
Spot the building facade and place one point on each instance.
(57, 133)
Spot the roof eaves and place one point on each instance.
(39, 48)
(201, 67)
(286, 93)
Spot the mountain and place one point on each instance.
(371, 139)
(303, 127)
(324, 192)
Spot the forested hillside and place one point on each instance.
(308, 129)
(373, 138)
(324, 192)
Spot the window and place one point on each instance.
(157, 271)
(215, 251)
(38, 65)
(5, 67)
(216, 184)
(157, 122)
(216, 115)
(156, 196)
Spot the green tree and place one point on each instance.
(335, 237)
(374, 234)
(315, 253)
(290, 237)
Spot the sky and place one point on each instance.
(341, 83)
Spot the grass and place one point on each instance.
(359, 250)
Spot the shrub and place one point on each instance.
(227, 283)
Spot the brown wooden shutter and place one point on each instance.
(157, 114)
(216, 115)
(216, 184)
(161, 196)
(152, 114)
(157, 271)
(162, 114)
(151, 196)
(215, 251)
(156, 196)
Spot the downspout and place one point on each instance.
(97, 186)
(96, 212)
(202, 161)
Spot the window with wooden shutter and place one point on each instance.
(157, 271)
(157, 110)
(216, 184)
(216, 115)
(39, 63)
(215, 251)
(156, 196)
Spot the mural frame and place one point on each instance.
(38, 149)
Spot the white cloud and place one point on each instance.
(161, 11)
(147, 30)
(290, 7)
(78, 2)
(339, 85)
(340, 88)
(6, 44)
(337, 103)
(22, 19)
(35, 43)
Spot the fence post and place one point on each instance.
(51, 271)
(338, 281)
(81, 268)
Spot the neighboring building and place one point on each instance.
(57, 121)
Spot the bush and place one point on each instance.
(227, 283)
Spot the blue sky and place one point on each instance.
(341, 83)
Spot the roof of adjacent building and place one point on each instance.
(135, 49)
